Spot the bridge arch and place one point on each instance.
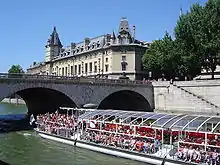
(125, 100)
(42, 100)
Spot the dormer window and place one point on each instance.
(123, 40)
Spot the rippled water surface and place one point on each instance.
(26, 148)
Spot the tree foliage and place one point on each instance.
(15, 69)
(161, 58)
(196, 45)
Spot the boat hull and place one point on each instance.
(111, 151)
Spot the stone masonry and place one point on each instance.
(194, 97)
(79, 93)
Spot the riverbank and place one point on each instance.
(13, 101)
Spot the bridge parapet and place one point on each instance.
(4, 77)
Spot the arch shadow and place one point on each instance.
(126, 100)
(42, 100)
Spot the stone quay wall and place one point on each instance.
(191, 97)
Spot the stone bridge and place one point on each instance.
(47, 93)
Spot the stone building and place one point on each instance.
(106, 56)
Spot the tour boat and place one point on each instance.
(153, 138)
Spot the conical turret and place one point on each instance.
(124, 33)
(54, 39)
(53, 46)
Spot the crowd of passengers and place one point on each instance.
(53, 122)
(130, 130)
(199, 138)
(197, 154)
(138, 144)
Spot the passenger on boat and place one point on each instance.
(185, 153)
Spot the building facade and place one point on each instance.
(106, 56)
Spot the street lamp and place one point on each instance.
(150, 75)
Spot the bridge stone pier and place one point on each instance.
(48, 94)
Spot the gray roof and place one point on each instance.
(93, 44)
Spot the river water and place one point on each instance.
(26, 148)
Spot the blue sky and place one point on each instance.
(26, 24)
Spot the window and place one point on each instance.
(71, 70)
(65, 71)
(79, 69)
(75, 70)
(86, 68)
(62, 71)
(106, 59)
(123, 58)
(106, 68)
(95, 67)
(123, 40)
(90, 67)
(123, 66)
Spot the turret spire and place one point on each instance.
(113, 35)
(124, 26)
(124, 33)
(54, 39)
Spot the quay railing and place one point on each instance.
(73, 79)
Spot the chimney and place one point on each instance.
(134, 29)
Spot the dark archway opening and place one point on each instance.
(126, 100)
(43, 100)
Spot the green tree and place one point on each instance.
(210, 40)
(196, 45)
(198, 33)
(161, 58)
(15, 69)
(188, 38)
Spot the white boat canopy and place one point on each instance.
(174, 122)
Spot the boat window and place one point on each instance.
(181, 122)
(161, 121)
(194, 124)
